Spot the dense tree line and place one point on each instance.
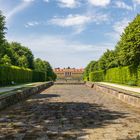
(44, 66)
(18, 55)
(126, 52)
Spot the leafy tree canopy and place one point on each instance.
(44, 66)
(129, 44)
(2, 34)
(127, 51)
(16, 54)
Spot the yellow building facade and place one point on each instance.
(69, 73)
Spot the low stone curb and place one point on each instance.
(16, 96)
(69, 83)
(90, 84)
(123, 95)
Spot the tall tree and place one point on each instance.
(6, 60)
(50, 74)
(39, 65)
(23, 62)
(17, 51)
(90, 67)
(108, 60)
(2, 34)
(44, 66)
(129, 45)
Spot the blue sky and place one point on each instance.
(68, 32)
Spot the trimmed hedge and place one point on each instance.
(121, 75)
(38, 76)
(96, 76)
(9, 74)
(138, 81)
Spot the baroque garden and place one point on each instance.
(99, 102)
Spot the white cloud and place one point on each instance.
(32, 24)
(61, 51)
(76, 3)
(102, 3)
(121, 4)
(28, 0)
(120, 26)
(46, 1)
(136, 1)
(71, 20)
(68, 3)
(118, 29)
(78, 22)
(99, 18)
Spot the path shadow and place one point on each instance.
(40, 96)
(54, 120)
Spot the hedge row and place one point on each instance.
(13, 74)
(121, 75)
(38, 76)
(96, 76)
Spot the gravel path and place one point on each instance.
(70, 112)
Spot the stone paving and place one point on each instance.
(70, 112)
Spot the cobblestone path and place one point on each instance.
(70, 112)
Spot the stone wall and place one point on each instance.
(90, 84)
(125, 96)
(69, 82)
(19, 95)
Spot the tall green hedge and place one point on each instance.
(122, 75)
(96, 76)
(38, 76)
(138, 81)
(10, 74)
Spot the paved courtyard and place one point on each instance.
(70, 112)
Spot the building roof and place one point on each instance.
(74, 70)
